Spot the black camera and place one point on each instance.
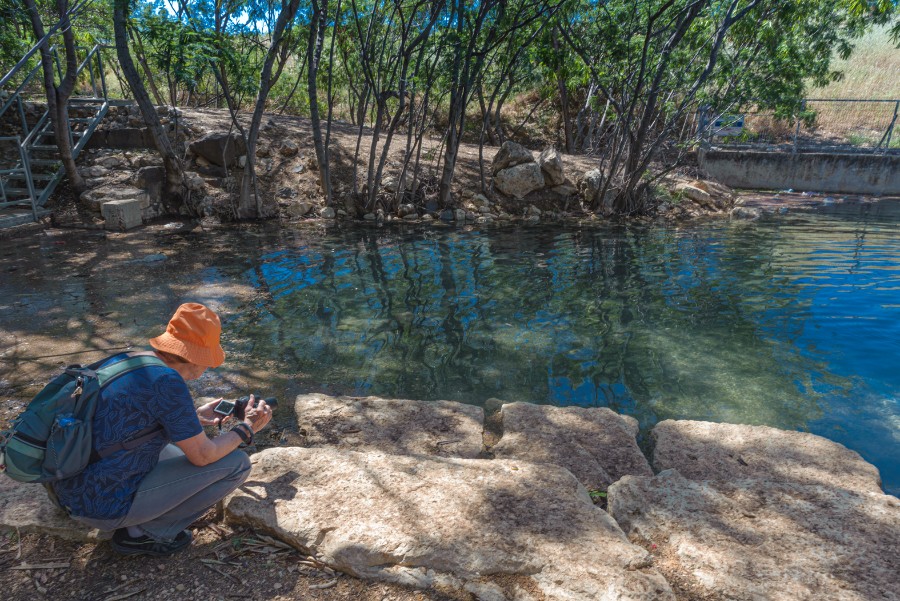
(237, 407)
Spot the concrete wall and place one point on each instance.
(812, 172)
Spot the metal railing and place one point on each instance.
(819, 125)
(35, 138)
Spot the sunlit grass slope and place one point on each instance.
(872, 71)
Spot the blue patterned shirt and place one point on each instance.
(137, 400)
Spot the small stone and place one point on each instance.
(289, 148)
(471, 216)
(410, 217)
(123, 578)
(327, 213)
(276, 586)
(446, 215)
(460, 215)
(369, 216)
(179, 587)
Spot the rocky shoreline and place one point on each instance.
(424, 494)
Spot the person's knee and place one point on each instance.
(239, 462)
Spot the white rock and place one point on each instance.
(520, 180)
(510, 155)
(748, 539)
(396, 426)
(712, 451)
(552, 167)
(423, 520)
(597, 445)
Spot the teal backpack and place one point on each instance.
(51, 440)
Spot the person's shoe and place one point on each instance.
(145, 545)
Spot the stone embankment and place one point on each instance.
(125, 177)
(421, 493)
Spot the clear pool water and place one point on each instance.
(793, 323)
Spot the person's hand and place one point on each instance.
(257, 414)
(207, 416)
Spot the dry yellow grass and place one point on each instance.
(872, 71)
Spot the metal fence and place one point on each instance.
(822, 125)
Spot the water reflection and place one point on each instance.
(792, 324)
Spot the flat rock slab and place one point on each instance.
(594, 443)
(745, 540)
(468, 524)
(400, 427)
(710, 451)
(27, 507)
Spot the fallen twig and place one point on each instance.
(324, 585)
(40, 566)
(126, 595)
(226, 574)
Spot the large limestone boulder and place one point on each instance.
(780, 541)
(95, 199)
(27, 508)
(510, 155)
(552, 167)
(590, 184)
(709, 195)
(597, 445)
(500, 529)
(396, 426)
(725, 452)
(220, 148)
(520, 180)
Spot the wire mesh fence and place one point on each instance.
(820, 125)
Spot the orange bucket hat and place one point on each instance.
(193, 334)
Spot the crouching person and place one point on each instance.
(150, 493)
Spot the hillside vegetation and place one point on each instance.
(872, 71)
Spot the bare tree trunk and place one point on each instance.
(316, 42)
(173, 193)
(58, 96)
(250, 205)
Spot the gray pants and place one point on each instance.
(176, 493)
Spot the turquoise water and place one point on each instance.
(793, 322)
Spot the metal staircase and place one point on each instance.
(30, 168)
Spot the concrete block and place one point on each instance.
(122, 214)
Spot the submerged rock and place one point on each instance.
(597, 445)
(457, 523)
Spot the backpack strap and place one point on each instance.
(108, 373)
(105, 375)
(145, 435)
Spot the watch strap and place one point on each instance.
(244, 431)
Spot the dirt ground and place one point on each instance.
(221, 564)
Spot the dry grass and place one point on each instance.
(870, 72)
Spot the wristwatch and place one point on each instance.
(245, 432)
